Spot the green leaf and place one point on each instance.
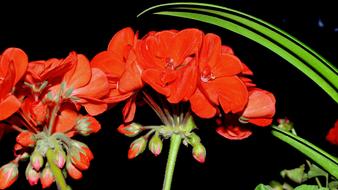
(263, 187)
(289, 48)
(310, 187)
(322, 158)
(333, 185)
(315, 171)
(296, 175)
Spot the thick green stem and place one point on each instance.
(60, 180)
(175, 142)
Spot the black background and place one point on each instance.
(53, 29)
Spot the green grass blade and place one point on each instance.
(322, 158)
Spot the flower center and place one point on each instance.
(207, 75)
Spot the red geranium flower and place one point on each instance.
(169, 59)
(218, 83)
(120, 65)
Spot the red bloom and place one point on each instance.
(120, 65)
(218, 83)
(260, 108)
(332, 136)
(169, 60)
(13, 65)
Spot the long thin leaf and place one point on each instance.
(271, 37)
(322, 158)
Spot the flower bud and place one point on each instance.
(60, 157)
(32, 175)
(8, 174)
(199, 152)
(26, 139)
(155, 144)
(87, 125)
(73, 171)
(137, 147)
(36, 160)
(47, 177)
(130, 130)
(80, 155)
(84, 148)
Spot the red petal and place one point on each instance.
(185, 43)
(9, 106)
(95, 108)
(262, 122)
(121, 39)
(97, 86)
(231, 91)
(153, 78)
(19, 59)
(129, 110)
(131, 78)
(332, 136)
(7, 81)
(227, 65)
(109, 63)
(260, 104)
(80, 74)
(66, 120)
(185, 84)
(201, 106)
(233, 133)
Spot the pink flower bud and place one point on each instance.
(32, 176)
(8, 174)
(137, 147)
(60, 158)
(80, 155)
(47, 177)
(87, 125)
(26, 139)
(155, 144)
(73, 171)
(36, 160)
(199, 152)
(130, 130)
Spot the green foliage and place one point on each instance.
(310, 187)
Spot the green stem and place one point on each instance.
(60, 180)
(52, 118)
(175, 142)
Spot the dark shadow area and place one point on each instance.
(46, 30)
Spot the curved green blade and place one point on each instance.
(322, 158)
(281, 43)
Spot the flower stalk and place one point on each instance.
(60, 180)
(175, 142)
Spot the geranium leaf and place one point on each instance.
(315, 171)
(263, 187)
(296, 175)
(283, 44)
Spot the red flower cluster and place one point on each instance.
(185, 66)
(332, 136)
(42, 100)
